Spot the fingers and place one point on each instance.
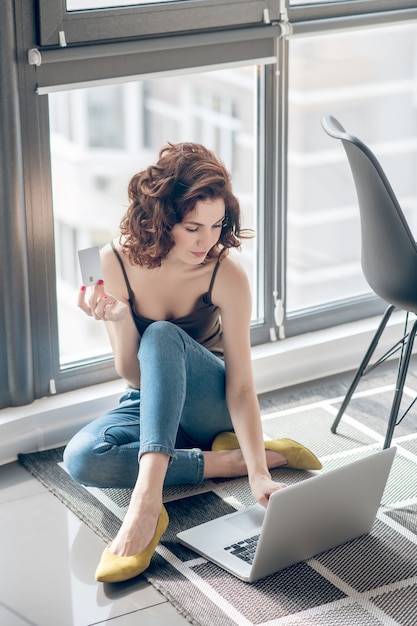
(280, 486)
(105, 307)
(81, 303)
(265, 497)
(96, 294)
(98, 303)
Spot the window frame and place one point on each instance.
(367, 10)
(331, 18)
(45, 375)
(29, 358)
(59, 27)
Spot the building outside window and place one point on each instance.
(371, 88)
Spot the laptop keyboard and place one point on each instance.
(244, 549)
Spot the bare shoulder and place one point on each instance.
(113, 275)
(231, 269)
(230, 264)
(231, 284)
(109, 261)
(106, 254)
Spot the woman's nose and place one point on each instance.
(203, 240)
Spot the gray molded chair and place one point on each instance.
(389, 262)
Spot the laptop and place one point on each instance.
(300, 521)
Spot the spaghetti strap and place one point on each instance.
(129, 288)
(213, 276)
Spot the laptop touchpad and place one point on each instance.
(251, 519)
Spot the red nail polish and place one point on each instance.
(100, 282)
(83, 288)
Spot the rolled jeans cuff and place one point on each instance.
(157, 448)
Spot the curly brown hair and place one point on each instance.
(163, 194)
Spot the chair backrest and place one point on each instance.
(388, 248)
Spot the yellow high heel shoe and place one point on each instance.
(115, 569)
(297, 455)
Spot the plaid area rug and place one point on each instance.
(369, 581)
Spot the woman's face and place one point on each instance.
(199, 231)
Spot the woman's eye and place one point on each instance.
(194, 230)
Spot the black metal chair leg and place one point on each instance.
(402, 375)
(371, 349)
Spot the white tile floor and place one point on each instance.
(47, 563)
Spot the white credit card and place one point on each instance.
(90, 264)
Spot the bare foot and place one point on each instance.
(137, 529)
(231, 464)
(275, 459)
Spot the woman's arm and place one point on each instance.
(231, 293)
(124, 339)
(109, 302)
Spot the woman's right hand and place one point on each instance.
(101, 305)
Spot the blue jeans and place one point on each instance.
(179, 410)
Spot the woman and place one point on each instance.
(177, 310)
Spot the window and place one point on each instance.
(370, 88)
(92, 94)
(92, 165)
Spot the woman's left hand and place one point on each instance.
(263, 486)
(101, 305)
